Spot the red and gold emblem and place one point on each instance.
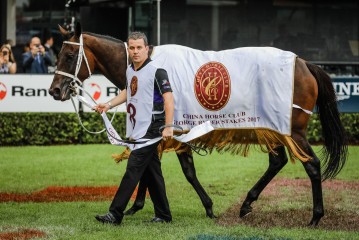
(134, 85)
(212, 86)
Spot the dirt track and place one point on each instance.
(268, 211)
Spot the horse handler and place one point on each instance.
(150, 105)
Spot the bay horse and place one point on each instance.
(84, 52)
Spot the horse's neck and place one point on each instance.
(109, 58)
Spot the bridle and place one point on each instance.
(75, 80)
(76, 83)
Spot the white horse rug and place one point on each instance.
(244, 94)
(243, 88)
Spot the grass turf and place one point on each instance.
(226, 179)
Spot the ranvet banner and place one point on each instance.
(29, 93)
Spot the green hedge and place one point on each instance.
(20, 129)
(350, 122)
(17, 129)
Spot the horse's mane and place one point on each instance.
(104, 37)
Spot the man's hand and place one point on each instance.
(4, 59)
(42, 50)
(34, 50)
(102, 107)
(167, 133)
(119, 99)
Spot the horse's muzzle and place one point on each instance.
(55, 92)
(61, 94)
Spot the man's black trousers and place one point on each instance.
(143, 164)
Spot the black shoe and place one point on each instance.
(159, 220)
(132, 210)
(108, 218)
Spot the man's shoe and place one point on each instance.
(159, 220)
(108, 218)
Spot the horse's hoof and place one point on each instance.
(314, 223)
(210, 214)
(245, 211)
(316, 219)
(132, 211)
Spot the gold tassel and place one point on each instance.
(122, 156)
(234, 141)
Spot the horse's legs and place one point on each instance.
(186, 161)
(276, 163)
(140, 199)
(312, 168)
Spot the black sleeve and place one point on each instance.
(162, 81)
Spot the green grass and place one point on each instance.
(226, 178)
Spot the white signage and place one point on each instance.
(29, 93)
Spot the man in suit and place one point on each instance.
(37, 59)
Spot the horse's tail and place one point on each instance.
(335, 149)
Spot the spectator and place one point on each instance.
(37, 59)
(49, 42)
(7, 60)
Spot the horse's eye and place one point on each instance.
(70, 57)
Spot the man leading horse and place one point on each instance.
(150, 106)
(84, 52)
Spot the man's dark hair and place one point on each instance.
(138, 35)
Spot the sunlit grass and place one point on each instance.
(226, 179)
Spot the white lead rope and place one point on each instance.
(85, 102)
(115, 138)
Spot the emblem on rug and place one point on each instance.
(212, 86)
(133, 86)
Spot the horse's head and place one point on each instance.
(72, 65)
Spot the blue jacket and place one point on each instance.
(31, 65)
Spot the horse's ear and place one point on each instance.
(78, 30)
(63, 32)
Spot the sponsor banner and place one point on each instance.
(347, 89)
(29, 93)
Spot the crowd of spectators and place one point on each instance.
(36, 58)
